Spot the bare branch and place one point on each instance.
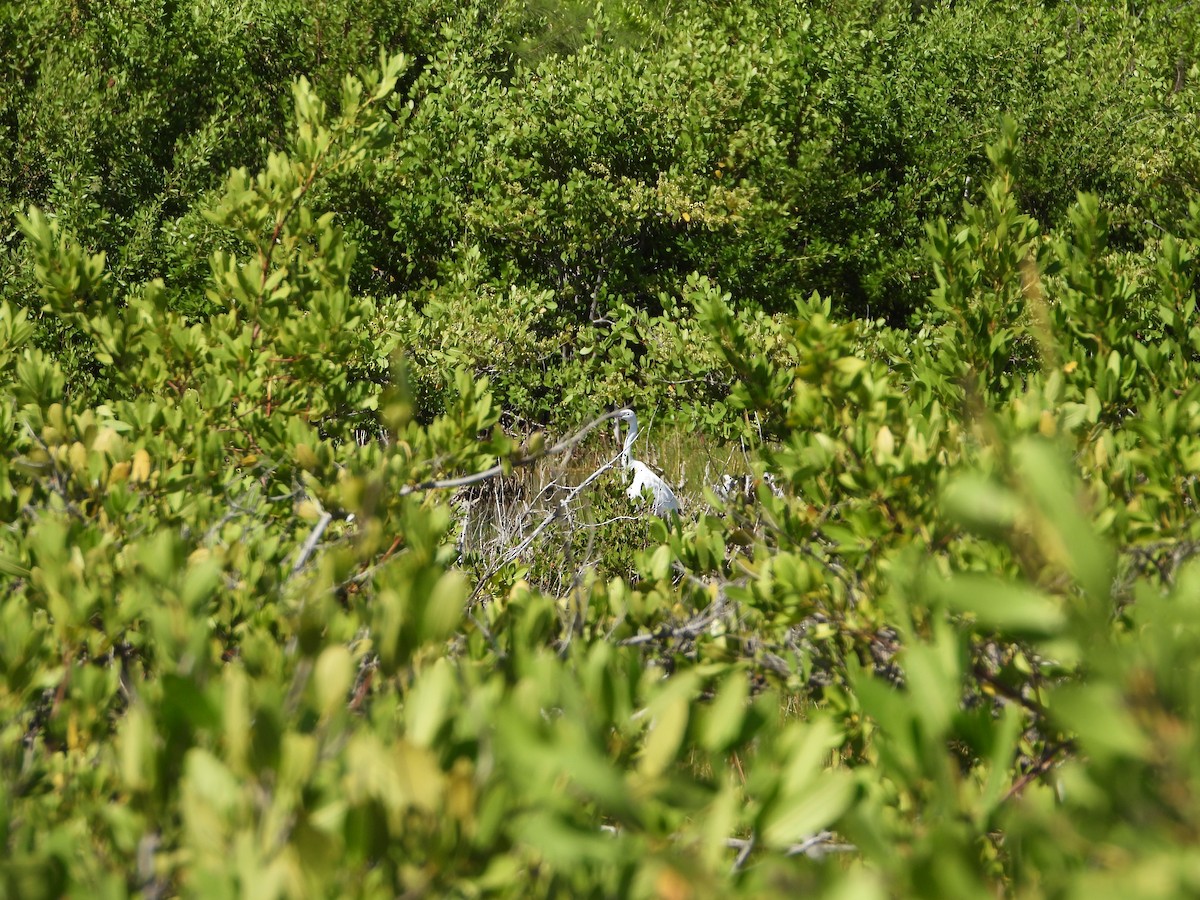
(744, 849)
(496, 470)
(311, 543)
(814, 847)
(559, 511)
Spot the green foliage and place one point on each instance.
(593, 157)
(940, 641)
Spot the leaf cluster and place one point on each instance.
(940, 640)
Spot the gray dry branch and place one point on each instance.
(500, 469)
(496, 472)
(559, 511)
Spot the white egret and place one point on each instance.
(664, 499)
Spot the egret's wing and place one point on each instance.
(664, 499)
(641, 480)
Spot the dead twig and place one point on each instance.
(1040, 768)
(559, 511)
(310, 544)
(814, 847)
(499, 469)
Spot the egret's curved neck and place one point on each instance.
(626, 451)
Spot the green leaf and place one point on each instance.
(1010, 607)
(999, 774)
(981, 504)
(199, 582)
(137, 742)
(724, 717)
(10, 566)
(850, 365)
(666, 736)
(208, 777)
(934, 682)
(430, 703)
(1096, 714)
(803, 814)
(566, 845)
(1051, 484)
(659, 567)
(444, 607)
(333, 673)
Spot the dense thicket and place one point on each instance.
(277, 273)
(581, 163)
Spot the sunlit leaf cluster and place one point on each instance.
(318, 575)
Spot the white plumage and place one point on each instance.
(664, 500)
